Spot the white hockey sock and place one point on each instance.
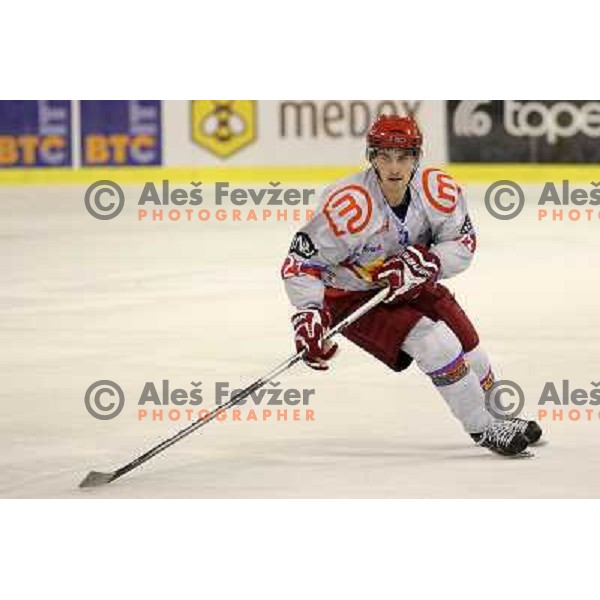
(479, 362)
(438, 353)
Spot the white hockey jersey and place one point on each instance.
(355, 229)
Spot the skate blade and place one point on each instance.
(524, 454)
(527, 453)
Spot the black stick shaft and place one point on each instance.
(256, 385)
(201, 421)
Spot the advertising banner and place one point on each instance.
(524, 131)
(301, 133)
(35, 133)
(121, 132)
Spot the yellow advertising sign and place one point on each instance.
(223, 126)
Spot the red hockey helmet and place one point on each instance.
(394, 131)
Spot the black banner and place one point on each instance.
(524, 131)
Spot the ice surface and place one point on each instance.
(84, 300)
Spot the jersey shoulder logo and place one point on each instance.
(441, 190)
(348, 209)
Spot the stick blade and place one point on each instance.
(96, 479)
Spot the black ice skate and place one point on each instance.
(502, 437)
(530, 429)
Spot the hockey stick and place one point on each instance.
(96, 478)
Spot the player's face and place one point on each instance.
(394, 165)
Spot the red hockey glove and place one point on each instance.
(310, 326)
(407, 273)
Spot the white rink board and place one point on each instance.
(279, 142)
(85, 300)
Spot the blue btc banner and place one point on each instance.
(35, 133)
(120, 132)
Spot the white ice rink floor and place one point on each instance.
(84, 300)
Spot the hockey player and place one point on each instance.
(401, 226)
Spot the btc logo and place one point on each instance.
(119, 149)
(223, 126)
